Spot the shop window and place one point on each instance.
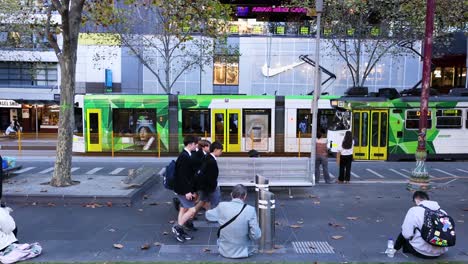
(412, 119)
(196, 122)
(449, 118)
(226, 70)
(27, 74)
(50, 116)
(136, 128)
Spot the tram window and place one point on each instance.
(78, 129)
(466, 121)
(449, 118)
(196, 122)
(326, 119)
(132, 122)
(356, 128)
(341, 120)
(375, 130)
(364, 129)
(412, 119)
(383, 130)
(256, 123)
(303, 122)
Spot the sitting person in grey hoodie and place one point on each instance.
(410, 237)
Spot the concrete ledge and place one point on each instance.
(99, 190)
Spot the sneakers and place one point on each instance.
(180, 234)
(176, 203)
(189, 226)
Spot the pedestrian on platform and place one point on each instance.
(8, 230)
(410, 238)
(209, 191)
(321, 158)
(238, 225)
(185, 189)
(345, 153)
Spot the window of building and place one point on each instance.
(449, 118)
(412, 119)
(196, 122)
(226, 70)
(27, 74)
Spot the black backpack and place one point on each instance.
(438, 228)
(169, 177)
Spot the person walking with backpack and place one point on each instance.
(345, 153)
(417, 237)
(184, 186)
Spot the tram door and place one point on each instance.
(226, 128)
(370, 133)
(93, 128)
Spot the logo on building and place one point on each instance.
(270, 72)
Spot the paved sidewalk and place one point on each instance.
(337, 223)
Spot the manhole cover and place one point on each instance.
(313, 247)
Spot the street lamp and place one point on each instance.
(420, 177)
(316, 94)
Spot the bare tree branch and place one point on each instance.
(50, 35)
(59, 7)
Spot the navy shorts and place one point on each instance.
(214, 197)
(184, 203)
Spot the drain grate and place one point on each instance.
(313, 247)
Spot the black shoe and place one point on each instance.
(189, 226)
(186, 236)
(178, 233)
(176, 203)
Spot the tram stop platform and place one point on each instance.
(88, 189)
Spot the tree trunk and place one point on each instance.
(71, 21)
(167, 70)
(63, 162)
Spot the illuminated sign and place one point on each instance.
(9, 104)
(267, 9)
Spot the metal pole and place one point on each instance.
(261, 183)
(420, 178)
(37, 126)
(266, 218)
(316, 95)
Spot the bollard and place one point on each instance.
(260, 183)
(266, 206)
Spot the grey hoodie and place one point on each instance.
(415, 218)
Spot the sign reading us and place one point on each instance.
(270, 72)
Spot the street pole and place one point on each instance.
(420, 178)
(316, 94)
